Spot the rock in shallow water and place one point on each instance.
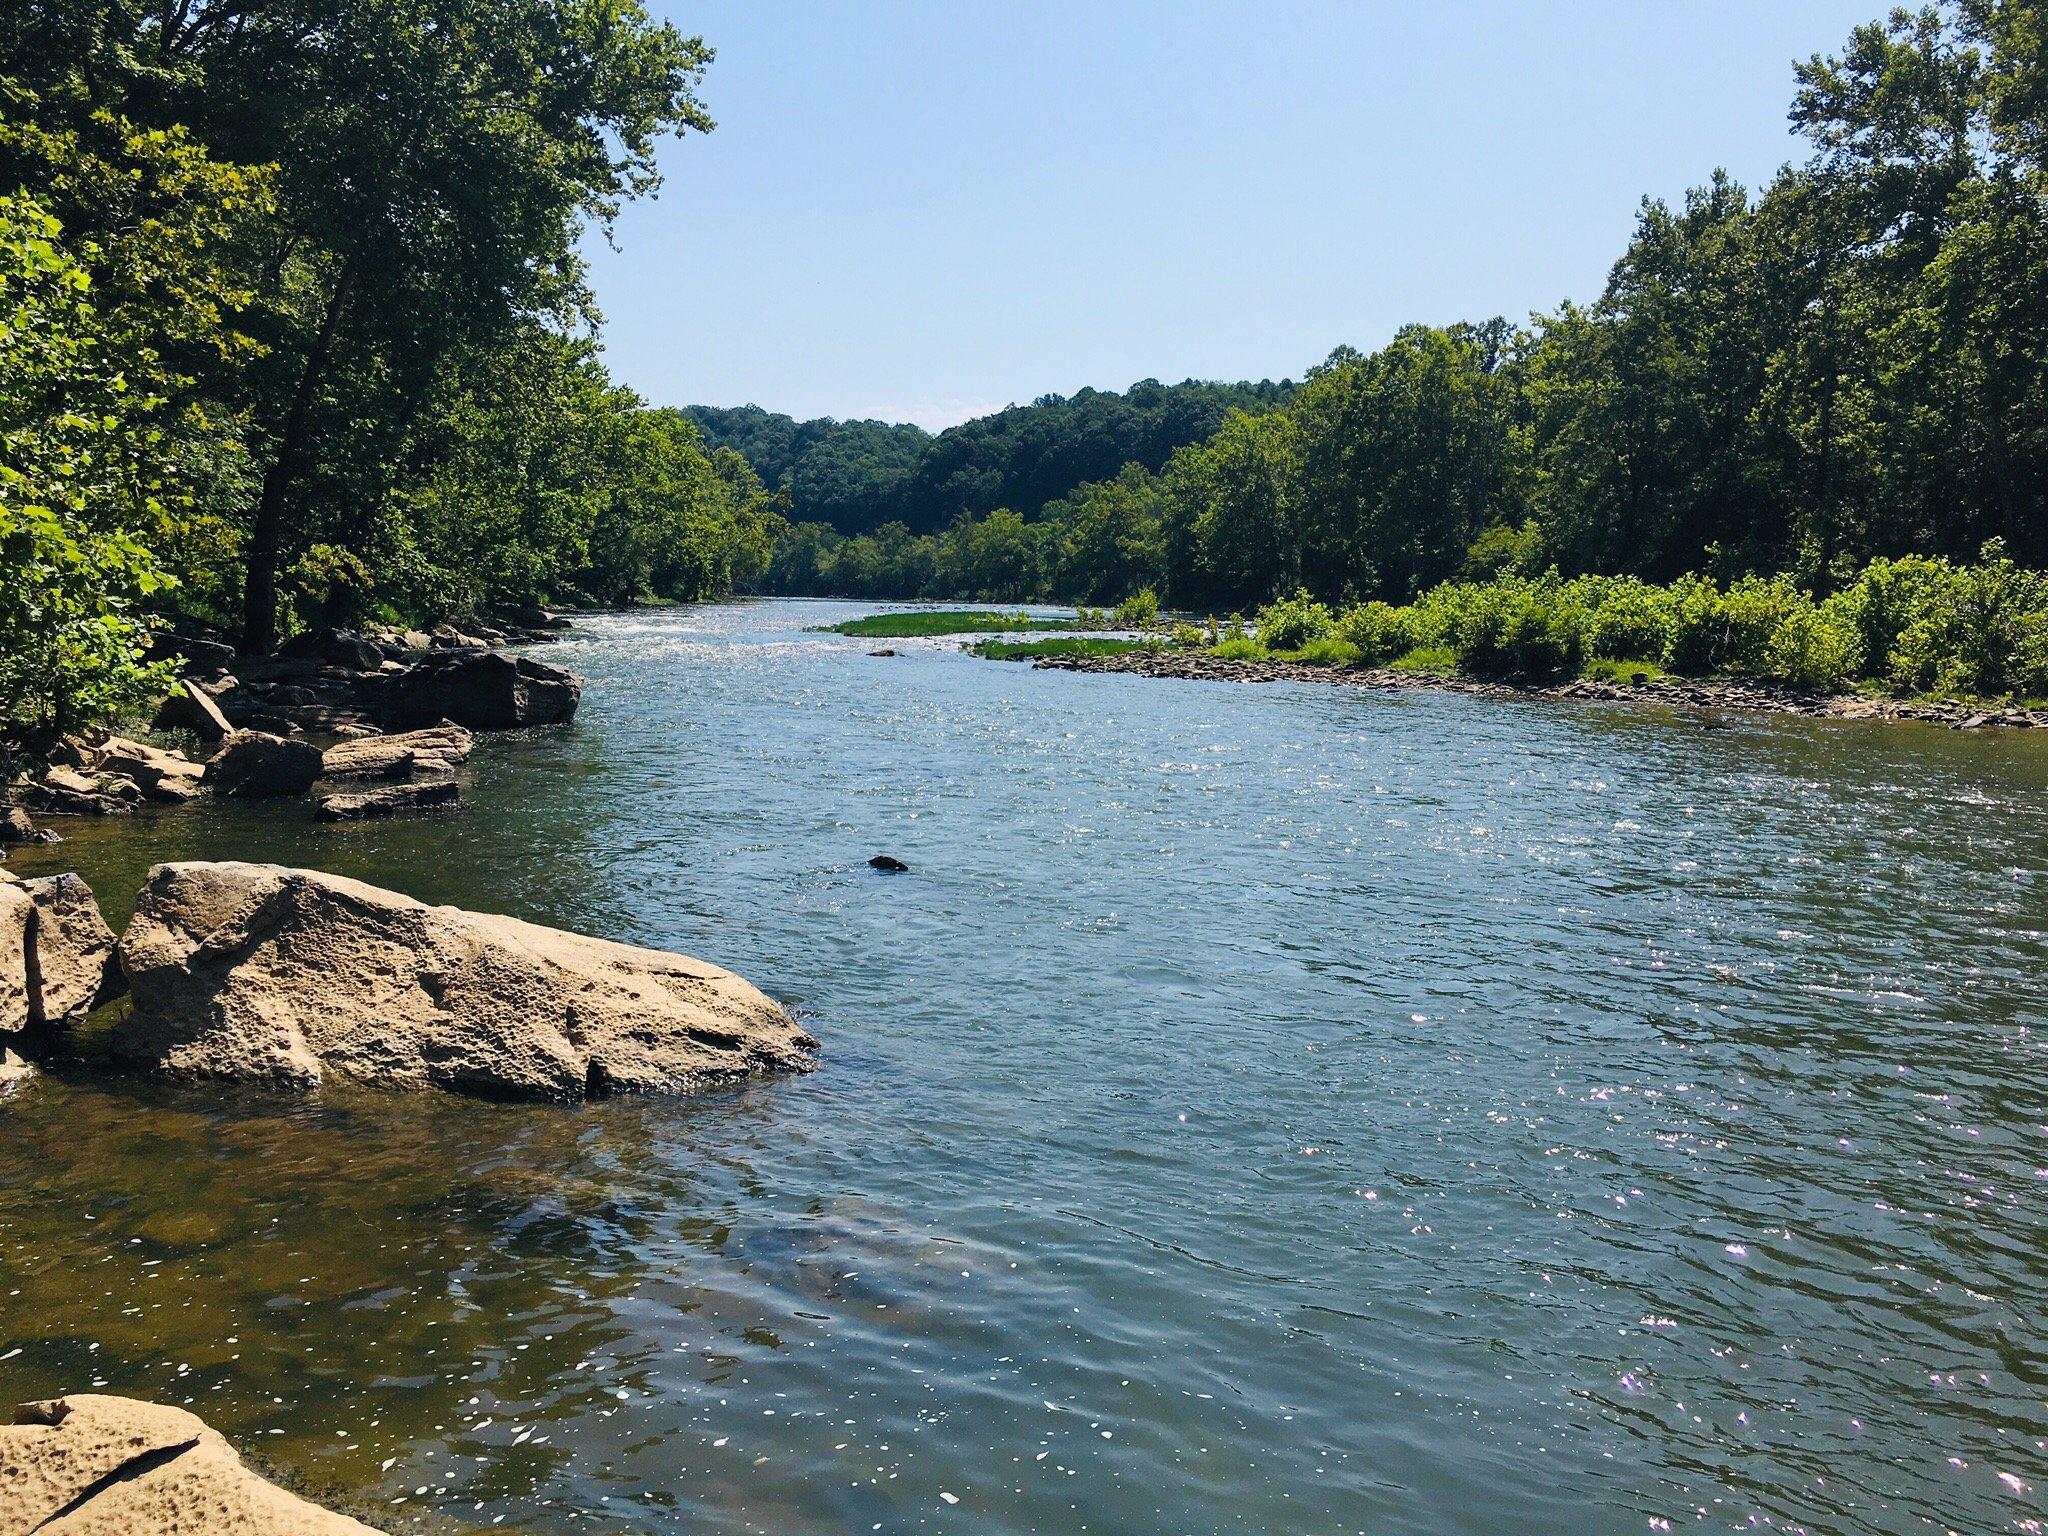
(86, 1465)
(259, 972)
(390, 799)
(56, 956)
(256, 763)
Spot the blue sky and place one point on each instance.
(926, 211)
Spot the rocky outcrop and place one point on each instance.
(56, 957)
(408, 754)
(257, 763)
(16, 827)
(420, 795)
(87, 1465)
(484, 690)
(260, 972)
(189, 707)
(78, 791)
(13, 1070)
(160, 775)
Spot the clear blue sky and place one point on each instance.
(926, 211)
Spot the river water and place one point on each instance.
(1287, 1109)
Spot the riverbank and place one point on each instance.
(1707, 695)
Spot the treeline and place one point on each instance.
(858, 476)
(293, 329)
(1850, 364)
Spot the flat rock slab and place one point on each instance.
(87, 1465)
(437, 750)
(160, 775)
(419, 795)
(258, 972)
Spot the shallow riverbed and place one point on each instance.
(1287, 1108)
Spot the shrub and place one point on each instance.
(1378, 631)
(1138, 611)
(1813, 647)
(1505, 551)
(1291, 622)
(1189, 637)
(1513, 628)
(1631, 621)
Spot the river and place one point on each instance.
(1289, 1109)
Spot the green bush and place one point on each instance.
(1510, 628)
(1814, 648)
(1292, 622)
(1378, 631)
(1138, 611)
(1631, 621)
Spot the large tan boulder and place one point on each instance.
(260, 972)
(56, 955)
(86, 1465)
(17, 914)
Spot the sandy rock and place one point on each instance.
(256, 763)
(190, 707)
(261, 972)
(71, 963)
(17, 916)
(13, 1070)
(86, 1465)
(159, 774)
(419, 795)
(411, 752)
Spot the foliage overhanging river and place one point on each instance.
(1261, 1108)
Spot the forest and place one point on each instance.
(294, 330)
(1847, 364)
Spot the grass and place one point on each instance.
(1428, 660)
(1031, 650)
(946, 621)
(1605, 669)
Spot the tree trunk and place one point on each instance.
(266, 532)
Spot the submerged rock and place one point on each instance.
(389, 800)
(484, 690)
(888, 864)
(256, 763)
(87, 1465)
(260, 972)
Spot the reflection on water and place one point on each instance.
(1263, 1108)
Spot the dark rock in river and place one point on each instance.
(281, 975)
(888, 864)
(334, 648)
(254, 763)
(420, 795)
(484, 690)
(86, 1465)
(15, 827)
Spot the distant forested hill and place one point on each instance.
(858, 475)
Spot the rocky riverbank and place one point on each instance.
(1706, 696)
(327, 706)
